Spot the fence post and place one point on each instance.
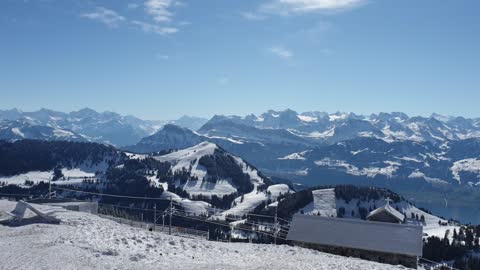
(275, 232)
(154, 216)
(170, 212)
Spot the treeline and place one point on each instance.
(33, 155)
(39, 189)
(463, 242)
(291, 203)
(350, 192)
(222, 202)
(221, 166)
(467, 263)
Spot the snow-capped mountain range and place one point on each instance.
(327, 128)
(272, 127)
(86, 124)
(437, 150)
(436, 153)
(21, 129)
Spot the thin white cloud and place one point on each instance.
(160, 9)
(154, 28)
(286, 7)
(281, 52)
(113, 19)
(106, 16)
(291, 7)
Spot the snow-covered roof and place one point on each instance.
(388, 209)
(357, 234)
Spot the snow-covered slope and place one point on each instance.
(169, 137)
(222, 163)
(71, 176)
(190, 160)
(467, 166)
(85, 241)
(248, 202)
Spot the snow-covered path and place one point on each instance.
(85, 241)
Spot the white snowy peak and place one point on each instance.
(321, 127)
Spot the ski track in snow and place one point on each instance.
(85, 241)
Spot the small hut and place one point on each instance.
(386, 213)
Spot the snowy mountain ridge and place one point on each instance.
(328, 128)
(106, 127)
(23, 129)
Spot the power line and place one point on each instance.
(111, 195)
(225, 225)
(126, 207)
(171, 210)
(15, 194)
(257, 215)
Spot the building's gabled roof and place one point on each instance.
(390, 210)
(357, 234)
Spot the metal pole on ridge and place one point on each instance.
(275, 226)
(154, 216)
(50, 188)
(170, 213)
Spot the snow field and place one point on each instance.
(85, 241)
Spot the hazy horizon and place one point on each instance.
(229, 114)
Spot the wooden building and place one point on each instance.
(386, 213)
(397, 244)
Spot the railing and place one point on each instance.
(431, 265)
(175, 230)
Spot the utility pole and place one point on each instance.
(50, 188)
(154, 216)
(163, 221)
(170, 213)
(276, 225)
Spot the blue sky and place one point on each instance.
(160, 59)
